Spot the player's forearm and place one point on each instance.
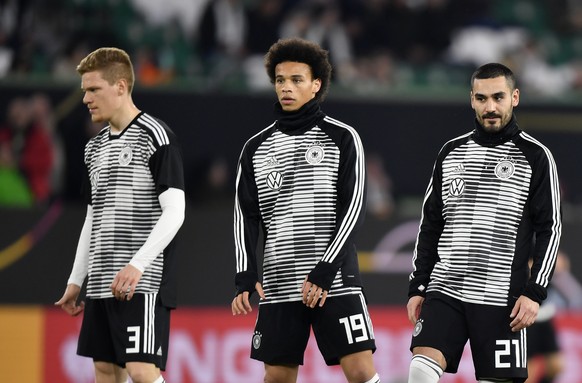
(81, 264)
(173, 205)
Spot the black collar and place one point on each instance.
(298, 121)
(493, 139)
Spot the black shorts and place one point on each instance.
(118, 332)
(446, 324)
(542, 339)
(341, 327)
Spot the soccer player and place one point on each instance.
(135, 196)
(302, 181)
(492, 203)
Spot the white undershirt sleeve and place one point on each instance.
(81, 264)
(173, 203)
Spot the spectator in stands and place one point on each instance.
(14, 190)
(539, 76)
(380, 200)
(322, 22)
(30, 148)
(221, 35)
(43, 117)
(264, 21)
(434, 30)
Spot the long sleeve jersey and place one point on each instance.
(302, 181)
(492, 203)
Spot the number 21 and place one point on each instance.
(507, 351)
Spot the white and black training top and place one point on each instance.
(492, 203)
(302, 181)
(126, 174)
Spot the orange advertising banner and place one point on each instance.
(209, 345)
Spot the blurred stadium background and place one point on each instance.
(401, 78)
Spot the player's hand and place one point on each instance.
(125, 282)
(312, 294)
(68, 302)
(241, 304)
(413, 308)
(524, 313)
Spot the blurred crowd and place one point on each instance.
(374, 44)
(31, 157)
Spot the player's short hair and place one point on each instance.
(113, 63)
(493, 70)
(301, 51)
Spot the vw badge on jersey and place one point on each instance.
(94, 179)
(274, 180)
(457, 187)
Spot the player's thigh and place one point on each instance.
(109, 373)
(281, 333)
(442, 326)
(342, 327)
(95, 337)
(497, 351)
(140, 329)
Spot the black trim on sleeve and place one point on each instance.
(535, 292)
(323, 275)
(245, 281)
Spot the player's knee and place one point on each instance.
(359, 367)
(280, 373)
(104, 371)
(142, 372)
(360, 376)
(554, 367)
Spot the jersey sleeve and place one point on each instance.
(167, 167)
(425, 253)
(246, 224)
(545, 212)
(351, 192)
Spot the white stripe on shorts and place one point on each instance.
(367, 315)
(149, 317)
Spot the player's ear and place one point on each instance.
(515, 97)
(316, 85)
(121, 86)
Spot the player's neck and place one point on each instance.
(123, 118)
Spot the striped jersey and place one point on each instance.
(126, 174)
(302, 181)
(492, 203)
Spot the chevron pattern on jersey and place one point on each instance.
(484, 191)
(296, 178)
(125, 203)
